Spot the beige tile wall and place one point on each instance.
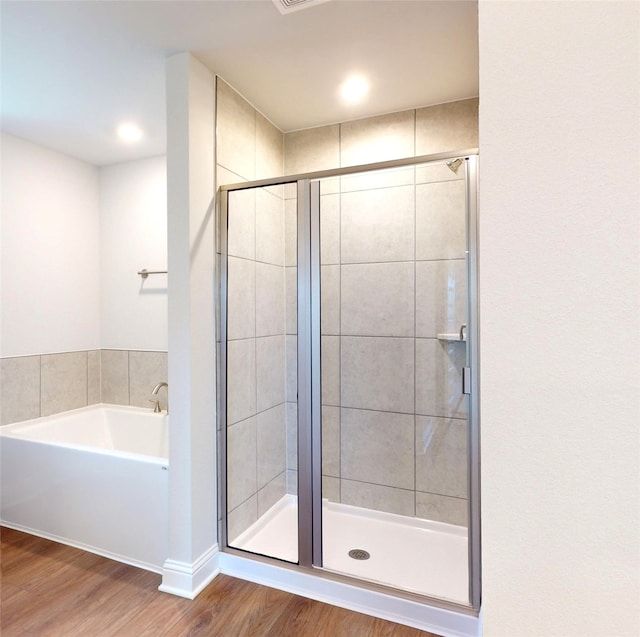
(260, 288)
(393, 276)
(34, 386)
(383, 301)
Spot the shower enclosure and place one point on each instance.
(348, 374)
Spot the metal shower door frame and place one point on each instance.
(309, 368)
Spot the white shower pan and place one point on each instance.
(420, 556)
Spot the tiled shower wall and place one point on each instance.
(388, 444)
(393, 277)
(250, 147)
(42, 385)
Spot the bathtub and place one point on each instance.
(95, 478)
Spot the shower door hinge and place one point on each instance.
(466, 380)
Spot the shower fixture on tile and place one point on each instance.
(348, 325)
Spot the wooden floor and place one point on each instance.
(51, 590)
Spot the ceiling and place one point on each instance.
(71, 71)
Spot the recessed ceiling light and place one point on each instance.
(129, 133)
(354, 89)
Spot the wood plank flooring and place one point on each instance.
(52, 590)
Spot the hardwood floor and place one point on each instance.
(52, 590)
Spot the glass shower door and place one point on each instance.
(261, 371)
(393, 350)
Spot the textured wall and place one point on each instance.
(133, 235)
(50, 251)
(560, 351)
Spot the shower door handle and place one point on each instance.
(466, 380)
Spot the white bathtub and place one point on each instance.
(95, 478)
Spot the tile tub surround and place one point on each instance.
(41, 385)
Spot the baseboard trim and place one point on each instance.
(441, 621)
(188, 579)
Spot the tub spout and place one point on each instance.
(154, 392)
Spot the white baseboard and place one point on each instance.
(445, 622)
(188, 579)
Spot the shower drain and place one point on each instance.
(359, 554)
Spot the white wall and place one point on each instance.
(133, 235)
(193, 549)
(559, 264)
(50, 251)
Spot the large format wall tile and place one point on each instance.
(380, 138)
(378, 299)
(441, 508)
(270, 371)
(242, 224)
(271, 493)
(440, 221)
(441, 456)
(241, 462)
(434, 172)
(377, 225)
(241, 518)
(270, 298)
(331, 488)
(329, 229)
(330, 299)
(271, 444)
(441, 297)
(20, 383)
(330, 369)
(241, 298)
(439, 378)
(377, 373)
(291, 300)
(447, 127)
(377, 497)
(291, 232)
(241, 380)
(94, 374)
(64, 382)
(269, 149)
(330, 441)
(377, 447)
(146, 370)
(292, 435)
(378, 179)
(269, 228)
(115, 376)
(236, 131)
(312, 149)
(291, 372)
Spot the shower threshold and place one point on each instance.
(420, 556)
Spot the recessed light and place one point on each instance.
(129, 133)
(354, 89)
